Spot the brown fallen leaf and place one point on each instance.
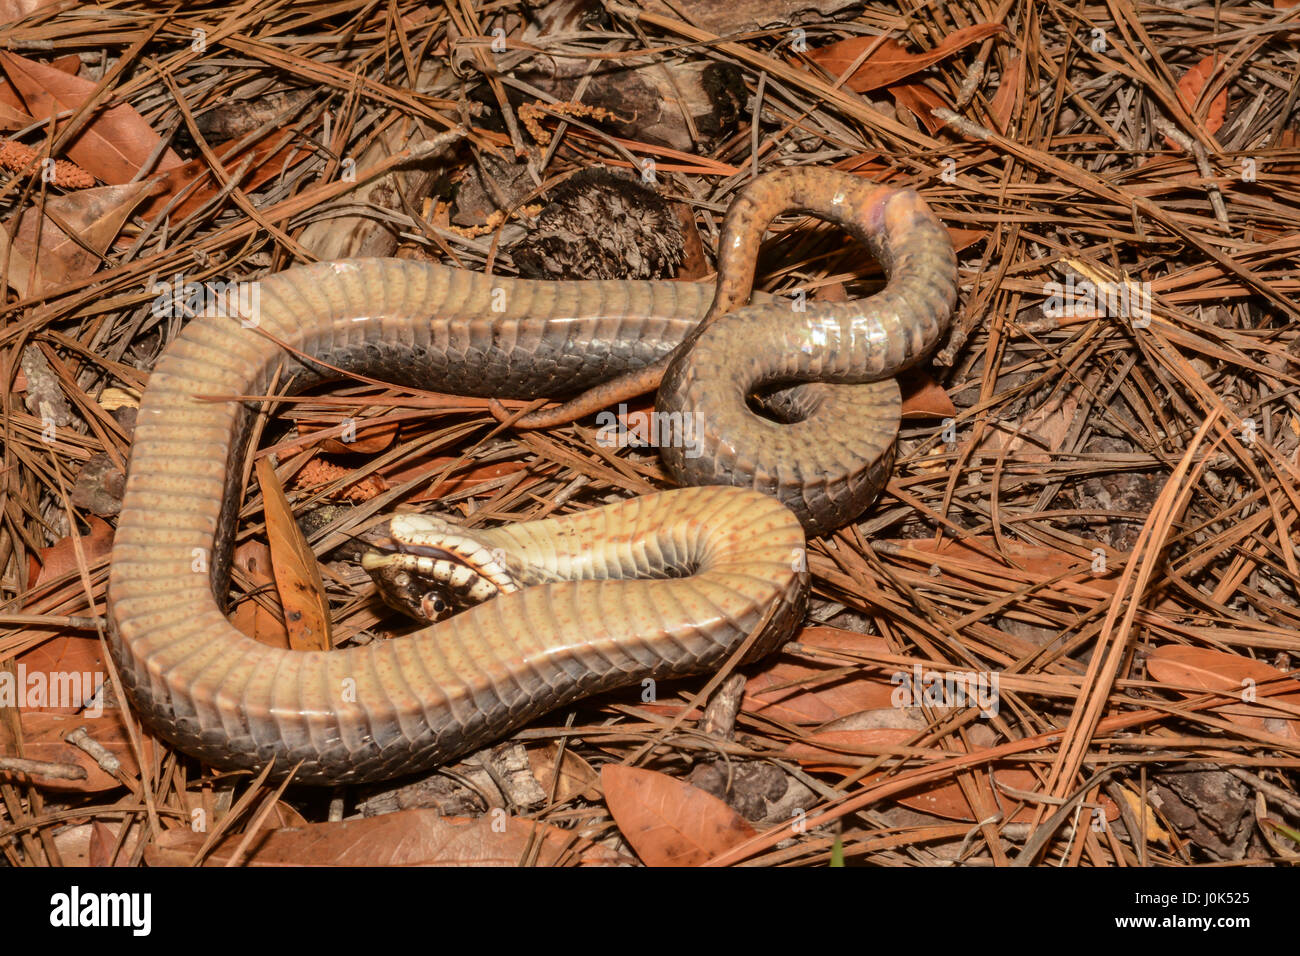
(90, 844)
(95, 216)
(114, 144)
(297, 573)
(1004, 100)
(889, 62)
(60, 558)
(1193, 83)
(43, 739)
(1036, 436)
(668, 822)
(458, 480)
(577, 778)
(947, 799)
(404, 838)
(14, 117)
(921, 101)
(260, 161)
(69, 64)
(369, 438)
(826, 750)
(1253, 682)
(11, 11)
(59, 676)
(923, 397)
(796, 691)
(249, 616)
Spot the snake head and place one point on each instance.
(429, 569)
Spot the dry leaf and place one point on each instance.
(812, 699)
(370, 437)
(89, 844)
(57, 660)
(1240, 677)
(113, 145)
(43, 739)
(249, 616)
(920, 100)
(1036, 436)
(923, 397)
(69, 64)
(266, 158)
(1154, 830)
(668, 822)
(577, 778)
(889, 62)
(11, 11)
(297, 573)
(404, 838)
(825, 750)
(1004, 100)
(1193, 83)
(95, 216)
(60, 558)
(12, 117)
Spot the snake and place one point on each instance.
(786, 413)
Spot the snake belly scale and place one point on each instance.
(658, 586)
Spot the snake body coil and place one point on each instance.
(658, 586)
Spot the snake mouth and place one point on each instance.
(388, 555)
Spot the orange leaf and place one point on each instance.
(889, 62)
(267, 157)
(947, 799)
(71, 669)
(1192, 86)
(825, 749)
(11, 11)
(668, 822)
(1004, 100)
(366, 438)
(43, 739)
(88, 844)
(11, 117)
(923, 397)
(813, 699)
(404, 838)
(920, 99)
(114, 144)
(297, 573)
(69, 64)
(576, 776)
(60, 558)
(249, 616)
(94, 215)
(1240, 677)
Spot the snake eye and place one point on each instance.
(434, 606)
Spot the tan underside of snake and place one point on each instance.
(653, 587)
